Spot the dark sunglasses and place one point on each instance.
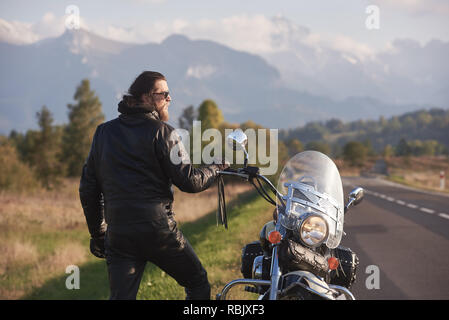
(165, 93)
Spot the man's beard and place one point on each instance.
(163, 114)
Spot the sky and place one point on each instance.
(239, 24)
(393, 50)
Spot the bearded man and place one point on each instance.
(126, 193)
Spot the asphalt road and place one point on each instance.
(404, 235)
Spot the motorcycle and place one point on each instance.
(298, 255)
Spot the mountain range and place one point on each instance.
(245, 86)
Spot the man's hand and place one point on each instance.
(221, 163)
(97, 247)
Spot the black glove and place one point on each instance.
(97, 247)
(221, 164)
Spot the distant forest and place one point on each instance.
(423, 132)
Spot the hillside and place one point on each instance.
(421, 125)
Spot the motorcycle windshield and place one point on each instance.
(311, 184)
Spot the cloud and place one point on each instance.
(16, 32)
(417, 7)
(200, 71)
(49, 26)
(255, 33)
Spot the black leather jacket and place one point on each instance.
(129, 170)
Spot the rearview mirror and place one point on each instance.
(355, 197)
(238, 140)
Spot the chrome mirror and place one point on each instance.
(355, 197)
(238, 140)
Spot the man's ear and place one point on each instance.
(146, 99)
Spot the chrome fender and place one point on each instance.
(319, 287)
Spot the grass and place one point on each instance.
(40, 234)
(419, 172)
(43, 232)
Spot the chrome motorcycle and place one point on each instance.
(298, 255)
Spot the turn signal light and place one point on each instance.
(274, 237)
(333, 263)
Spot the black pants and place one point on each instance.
(130, 247)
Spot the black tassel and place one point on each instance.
(221, 212)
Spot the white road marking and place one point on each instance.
(410, 205)
(444, 215)
(426, 210)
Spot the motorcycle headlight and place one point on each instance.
(313, 230)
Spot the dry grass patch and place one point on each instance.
(191, 206)
(15, 254)
(63, 256)
(51, 209)
(420, 172)
(44, 231)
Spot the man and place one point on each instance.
(127, 181)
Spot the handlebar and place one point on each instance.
(233, 172)
(249, 173)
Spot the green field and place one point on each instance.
(218, 249)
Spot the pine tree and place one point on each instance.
(187, 117)
(44, 157)
(84, 117)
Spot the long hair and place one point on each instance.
(143, 84)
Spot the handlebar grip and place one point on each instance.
(230, 170)
(252, 171)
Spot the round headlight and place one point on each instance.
(313, 230)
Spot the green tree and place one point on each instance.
(209, 115)
(45, 154)
(319, 146)
(187, 117)
(369, 147)
(25, 144)
(14, 174)
(355, 153)
(84, 117)
(388, 151)
(294, 146)
(335, 125)
(403, 148)
(393, 126)
(426, 148)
